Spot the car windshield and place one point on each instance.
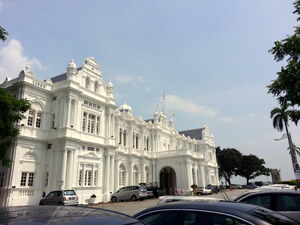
(272, 217)
(143, 188)
(69, 192)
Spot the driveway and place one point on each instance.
(132, 208)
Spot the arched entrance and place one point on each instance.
(167, 178)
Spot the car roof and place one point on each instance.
(225, 206)
(267, 191)
(63, 215)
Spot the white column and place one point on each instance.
(112, 174)
(209, 175)
(83, 175)
(189, 175)
(99, 178)
(130, 173)
(117, 166)
(68, 114)
(107, 178)
(143, 173)
(63, 168)
(69, 173)
(203, 176)
(196, 175)
(93, 175)
(75, 170)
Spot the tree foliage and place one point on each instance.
(11, 112)
(287, 85)
(229, 160)
(3, 34)
(280, 121)
(251, 167)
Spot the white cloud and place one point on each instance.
(125, 79)
(227, 119)
(185, 105)
(13, 60)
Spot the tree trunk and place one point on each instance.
(292, 150)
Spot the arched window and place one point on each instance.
(135, 176)
(120, 136)
(96, 86)
(147, 176)
(137, 141)
(124, 137)
(122, 175)
(87, 82)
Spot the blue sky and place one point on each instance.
(209, 57)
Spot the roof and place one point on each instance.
(61, 77)
(195, 133)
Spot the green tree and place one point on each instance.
(287, 85)
(11, 112)
(229, 160)
(280, 121)
(251, 167)
(3, 34)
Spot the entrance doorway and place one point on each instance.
(167, 178)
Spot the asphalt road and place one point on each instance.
(132, 208)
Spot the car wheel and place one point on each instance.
(133, 198)
(60, 203)
(114, 199)
(198, 194)
(41, 203)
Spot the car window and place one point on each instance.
(160, 218)
(135, 188)
(261, 200)
(128, 189)
(272, 217)
(288, 203)
(69, 192)
(204, 218)
(121, 190)
(58, 193)
(51, 195)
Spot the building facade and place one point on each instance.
(75, 137)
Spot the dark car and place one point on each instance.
(35, 215)
(217, 213)
(61, 197)
(286, 202)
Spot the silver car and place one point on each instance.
(286, 202)
(61, 197)
(132, 193)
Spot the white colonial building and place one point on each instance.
(75, 137)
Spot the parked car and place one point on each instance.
(251, 186)
(35, 215)
(132, 193)
(214, 189)
(61, 197)
(214, 213)
(286, 202)
(202, 191)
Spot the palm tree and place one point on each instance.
(280, 121)
(3, 34)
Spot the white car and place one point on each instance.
(203, 191)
